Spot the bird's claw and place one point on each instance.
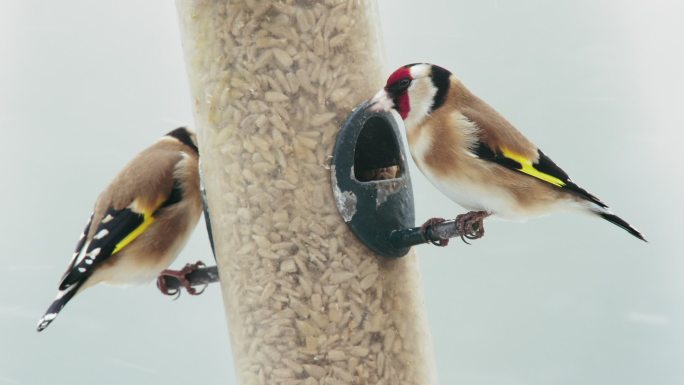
(181, 275)
(471, 225)
(427, 233)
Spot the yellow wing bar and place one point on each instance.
(147, 221)
(528, 168)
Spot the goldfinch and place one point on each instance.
(476, 157)
(140, 222)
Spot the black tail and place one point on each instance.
(614, 219)
(63, 296)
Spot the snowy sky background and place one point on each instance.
(566, 299)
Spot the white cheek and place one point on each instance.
(415, 116)
(421, 96)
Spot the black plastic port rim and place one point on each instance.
(370, 179)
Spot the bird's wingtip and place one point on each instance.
(45, 321)
(63, 296)
(614, 219)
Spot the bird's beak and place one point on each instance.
(381, 102)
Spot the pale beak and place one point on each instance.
(381, 102)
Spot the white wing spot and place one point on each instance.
(49, 316)
(101, 234)
(107, 218)
(81, 269)
(61, 293)
(95, 252)
(82, 252)
(88, 261)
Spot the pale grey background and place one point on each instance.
(565, 299)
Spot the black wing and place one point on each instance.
(115, 226)
(543, 169)
(116, 230)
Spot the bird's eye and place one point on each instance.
(399, 87)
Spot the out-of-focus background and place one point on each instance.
(566, 299)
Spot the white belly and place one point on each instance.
(476, 197)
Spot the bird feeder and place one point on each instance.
(371, 182)
(306, 302)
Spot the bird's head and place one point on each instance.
(185, 136)
(414, 91)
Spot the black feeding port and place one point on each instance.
(370, 178)
(377, 155)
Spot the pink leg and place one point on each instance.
(471, 225)
(181, 275)
(426, 226)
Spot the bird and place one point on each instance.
(476, 157)
(139, 223)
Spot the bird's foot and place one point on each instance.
(426, 231)
(182, 277)
(471, 225)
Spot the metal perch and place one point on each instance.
(419, 235)
(399, 238)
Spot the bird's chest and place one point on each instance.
(458, 175)
(460, 190)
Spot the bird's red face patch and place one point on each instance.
(396, 87)
(403, 106)
(397, 76)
